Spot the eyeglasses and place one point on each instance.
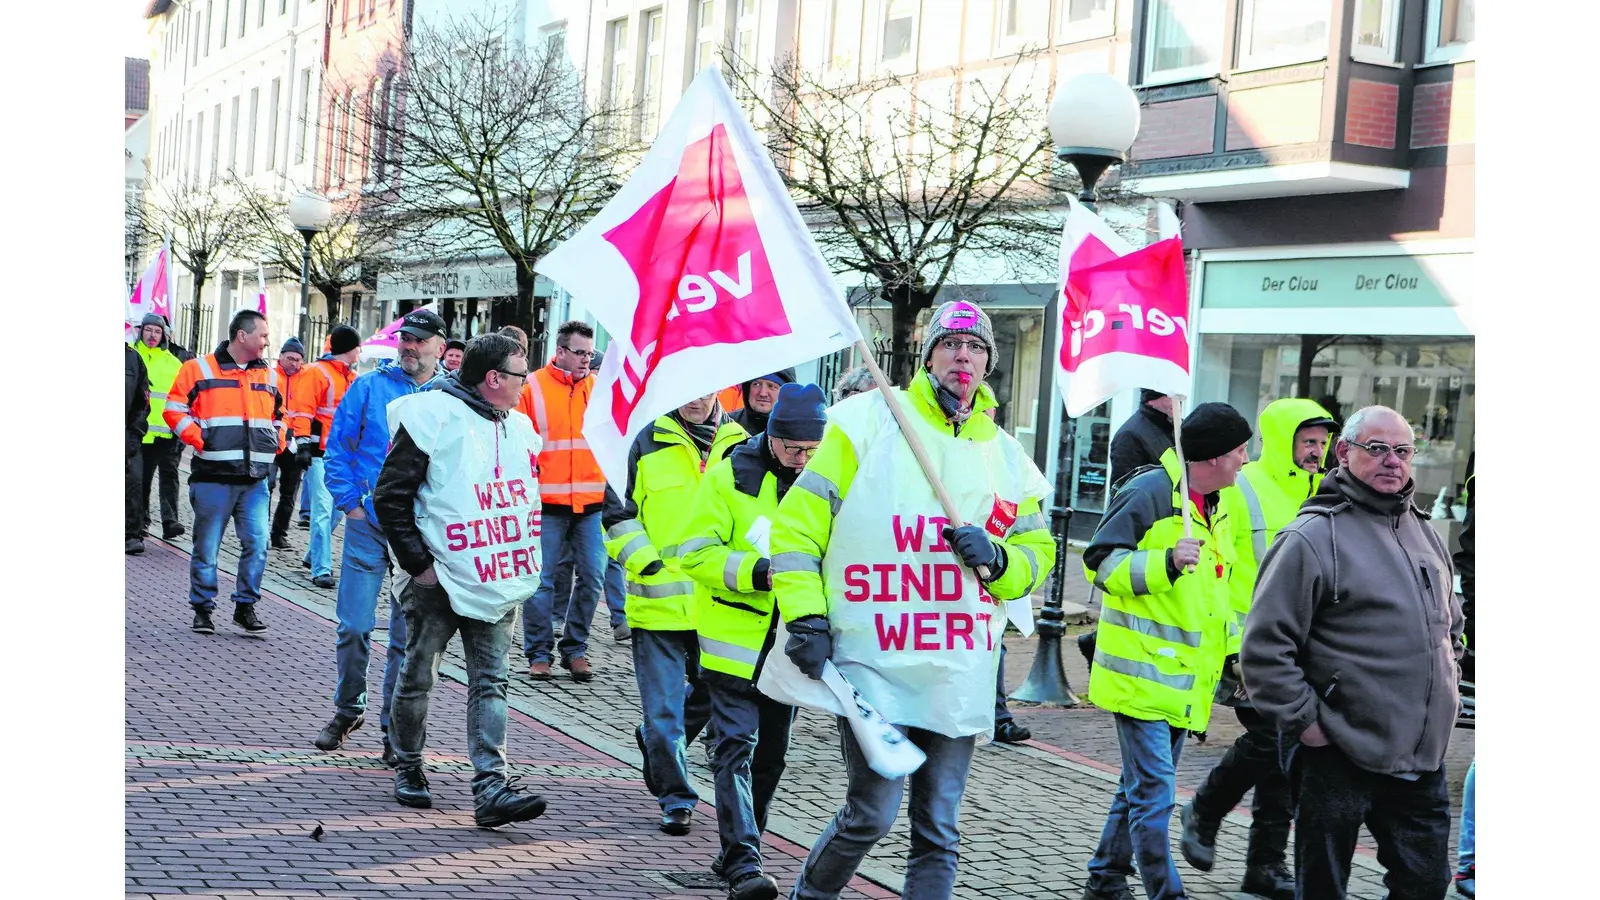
(581, 354)
(1379, 450)
(796, 449)
(513, 374)
(974, 348)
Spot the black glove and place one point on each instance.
(302, 453)
(976, 548)
(654, 567)
(762, 576)
(810, 644)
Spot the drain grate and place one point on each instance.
(696, 881)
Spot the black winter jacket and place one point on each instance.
(1139, 442)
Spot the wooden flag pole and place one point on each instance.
(917, 449)
(1183, 468)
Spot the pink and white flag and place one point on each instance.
(1124, 313)
(701, 270)
(261, 288)
(152, 293)
(385, 342)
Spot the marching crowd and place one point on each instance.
(1303, 589)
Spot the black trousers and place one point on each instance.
(289, 474)
(161, 457)
(1410, 820)
(1252, 762)
(133, 501)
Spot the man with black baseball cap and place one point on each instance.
(1166, 626)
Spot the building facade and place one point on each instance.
(235, 88)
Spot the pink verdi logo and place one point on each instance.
(1136, 304)
(961, 315)
(703, 273)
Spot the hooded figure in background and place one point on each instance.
(759, 395)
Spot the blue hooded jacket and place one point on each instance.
(359, 439)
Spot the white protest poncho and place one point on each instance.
(914, 632)
(479, 508)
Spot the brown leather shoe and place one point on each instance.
(580, 669)
(539, 671)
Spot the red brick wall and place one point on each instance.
(1370, 113)
(1179, 128)
(361, 48)
(1442, 112)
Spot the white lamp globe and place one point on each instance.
(1095, 113)
(310, 212)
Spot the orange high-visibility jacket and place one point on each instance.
(324, 388)
(731, 398)
(568, 473)
(296, 419)
(232, 416)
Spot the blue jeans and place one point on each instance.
(616, 596)
(870, 806)
(1466, 850)
(752, 739)
(676, 705)
(213, 505)
(568, 542)
(324, 519)
(430, 624)
(366, 559)
(1140, 812)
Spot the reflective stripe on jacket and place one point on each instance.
(1161, 641)
(325, 386)
(297, 419)
(568, 472)
(664, 473)
(162, 367)
(734, 619)
(232, 416)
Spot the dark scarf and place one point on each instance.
(954, 412)
(703, 434)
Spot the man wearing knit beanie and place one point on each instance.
(325, 387)
(726, 549)
(864, 505)
(295, 458)
(1166, 628)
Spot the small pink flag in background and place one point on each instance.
(385, 342)
(151, 294)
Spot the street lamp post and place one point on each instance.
(1093, 121)
(309, 214)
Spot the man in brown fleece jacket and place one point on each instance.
(1351, 648)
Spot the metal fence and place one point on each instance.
(316, 330)
(183, 330)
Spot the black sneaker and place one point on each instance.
(172, 531)
(202, 622)
(756, 885)
(411, 788)
(337, 730)
(133, 546)
(1273, 882)
(716, 866)
(325, 582)
(1009, 732)
(305, 521)
(1199, 842)
(1123, 893)
(280, 542)
(501, 804)
(244, 616)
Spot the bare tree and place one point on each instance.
(207, 222)
(357, 244)
(492, 147)
(900, 176)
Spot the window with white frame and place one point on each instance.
(216, 139)
(555, 43)
(227, 8)
(261, 14)
(1183, 40)
(844, 34)
(1086, 20)
(349, 129)
(744, 28)
(374, 134)
(250, 131)
(1021, 22)
(273, 99)
(208, 27)
(1451, 30)
(652, 54)
(305, 115)
(1374, 30)
(899, 30)
(1281, 32)
(619, 87)
(331, 163)
(705, 35)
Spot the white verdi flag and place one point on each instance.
(151, 294)
(701, 270)
(1124, 318)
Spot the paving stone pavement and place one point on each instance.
(1031, 816)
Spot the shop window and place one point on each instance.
(1281, 32)
(1183, 40)
(1429, 380)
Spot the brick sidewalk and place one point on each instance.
(1031, 817)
